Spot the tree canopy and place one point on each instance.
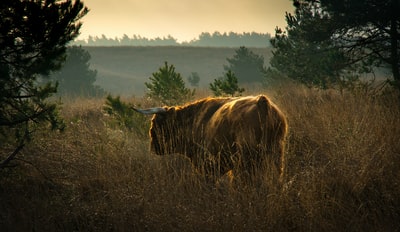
(33, 38)
(168, 87)
(305, 51)
(368, 31)
(246, 65)
(329, 39)
(226, 85)
(76, 78)
(205, 39)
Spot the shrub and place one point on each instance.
(168, 87)
(125, 117)
(227, 85)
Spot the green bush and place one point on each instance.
(125, 117)
(227, 85)
(168, 87)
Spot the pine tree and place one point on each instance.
(329, 41)
(368, 31)
(247, 66)
(168, 87)
(305, 51)
(227, 85)
(76, 78)
(125, 117)
(33, 35)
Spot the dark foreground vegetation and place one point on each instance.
(343, 174)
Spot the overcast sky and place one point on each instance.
(182, 19)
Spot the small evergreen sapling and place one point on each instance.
(226, 86)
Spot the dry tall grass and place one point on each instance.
(343, 173)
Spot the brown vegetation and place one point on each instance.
(343, 174)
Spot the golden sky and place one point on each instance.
(182, 19)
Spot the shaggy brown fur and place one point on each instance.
(221, 134)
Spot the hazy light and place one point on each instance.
(182, 19)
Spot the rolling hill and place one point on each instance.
(123, 70)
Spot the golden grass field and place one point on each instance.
(343, 174)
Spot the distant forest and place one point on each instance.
(205, 39)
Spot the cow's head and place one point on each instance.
(164, 129)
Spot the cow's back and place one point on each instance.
(206, 109)
(237, 120)
(248, 126)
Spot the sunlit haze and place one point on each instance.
(182, 19)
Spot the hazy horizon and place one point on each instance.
(215, 39)
(181, 19)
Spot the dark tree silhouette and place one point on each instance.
(33, 35)
(246, 65)
(367, 32)
(205, 39)
(305, 52)
(76, 78)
